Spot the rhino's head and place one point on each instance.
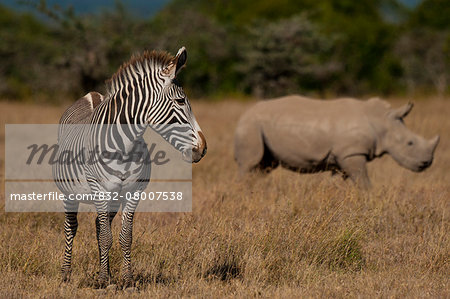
(408, 149)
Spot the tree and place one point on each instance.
(287, 56)
(210, 48)
(424, 47)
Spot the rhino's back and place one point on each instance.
(295, 108)
(303, 131)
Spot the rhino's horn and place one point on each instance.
(434, 142)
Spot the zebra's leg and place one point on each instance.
(114, 209)
(125, 240)
(111, 216)
(70, 230)
(104, 237)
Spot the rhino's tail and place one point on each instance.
(250, 149)
(248, 146)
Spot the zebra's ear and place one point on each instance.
(180, 59)
(176, 65)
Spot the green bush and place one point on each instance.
(262, 48)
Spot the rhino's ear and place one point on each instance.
(402, 111)
(176, 64)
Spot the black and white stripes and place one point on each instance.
(142, 93)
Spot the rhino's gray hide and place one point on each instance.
(341, 135)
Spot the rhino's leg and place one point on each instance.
(355, 168)
(248, 147)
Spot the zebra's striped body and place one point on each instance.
(140, 94)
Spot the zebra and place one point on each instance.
(142, 93)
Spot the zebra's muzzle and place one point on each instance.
(193, 156)
(199, 151)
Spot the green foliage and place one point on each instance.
(210, 49)
(264, 48)
(24, 40)
(423, 48)
(424, 55)
(67, 57)
(432, 14)
(345, 252)
(287, 56)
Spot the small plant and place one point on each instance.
(342, 253)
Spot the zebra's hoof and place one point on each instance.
(103, 282)
(65, 277)
(112, 287)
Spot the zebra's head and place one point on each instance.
(172, 116)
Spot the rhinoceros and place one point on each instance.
(342, 135)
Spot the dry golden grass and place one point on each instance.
(282, 235)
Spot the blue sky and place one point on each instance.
(137, 7)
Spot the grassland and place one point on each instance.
(281, 235)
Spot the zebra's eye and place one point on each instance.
(181, 101)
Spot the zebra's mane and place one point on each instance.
(145, 61)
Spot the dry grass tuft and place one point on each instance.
(280, 235)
